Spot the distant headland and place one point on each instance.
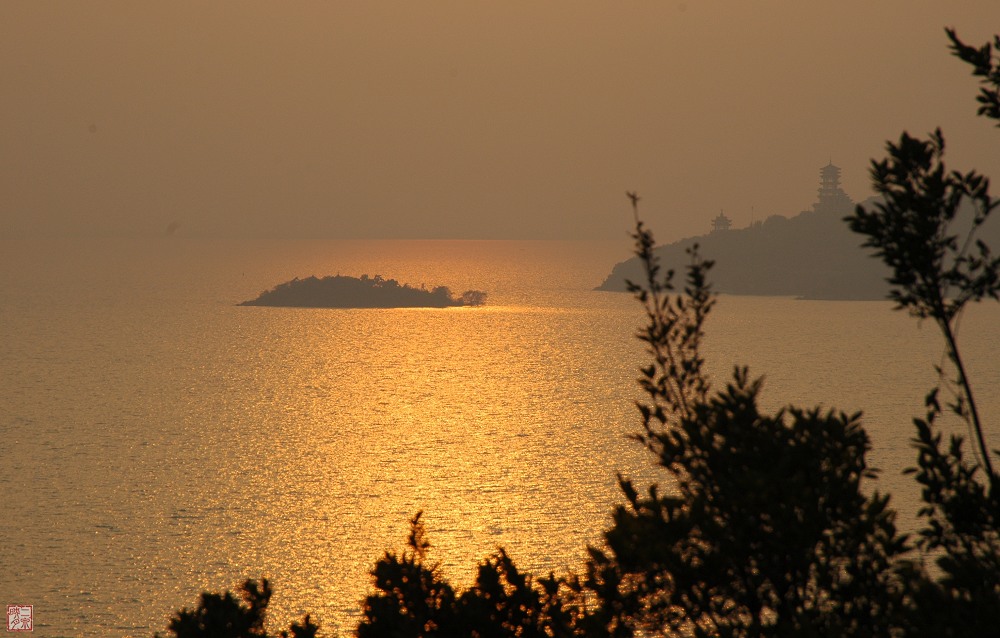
(361, 292)
(812, 255)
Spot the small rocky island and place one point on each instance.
(364, 292)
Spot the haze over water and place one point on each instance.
(160, 440)
(513, 120)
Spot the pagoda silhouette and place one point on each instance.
(721, 223)
(832, 198)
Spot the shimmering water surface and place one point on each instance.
(158, 440)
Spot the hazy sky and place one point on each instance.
(469, 119)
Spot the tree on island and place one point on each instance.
(761, 526)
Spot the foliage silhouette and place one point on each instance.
(413, 599)
(223, 616)
(936, 273)
(762, 528)
(985, 65)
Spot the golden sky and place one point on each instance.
(471, 119)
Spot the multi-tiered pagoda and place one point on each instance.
(832, 198)
(721, 223)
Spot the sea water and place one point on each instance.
(158, 440)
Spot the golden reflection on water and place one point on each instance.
(168, 441)
(485, 419)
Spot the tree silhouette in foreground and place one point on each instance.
(761, 525)
(985, 65)
(223, 616)
(413, 599)
(937, 271)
